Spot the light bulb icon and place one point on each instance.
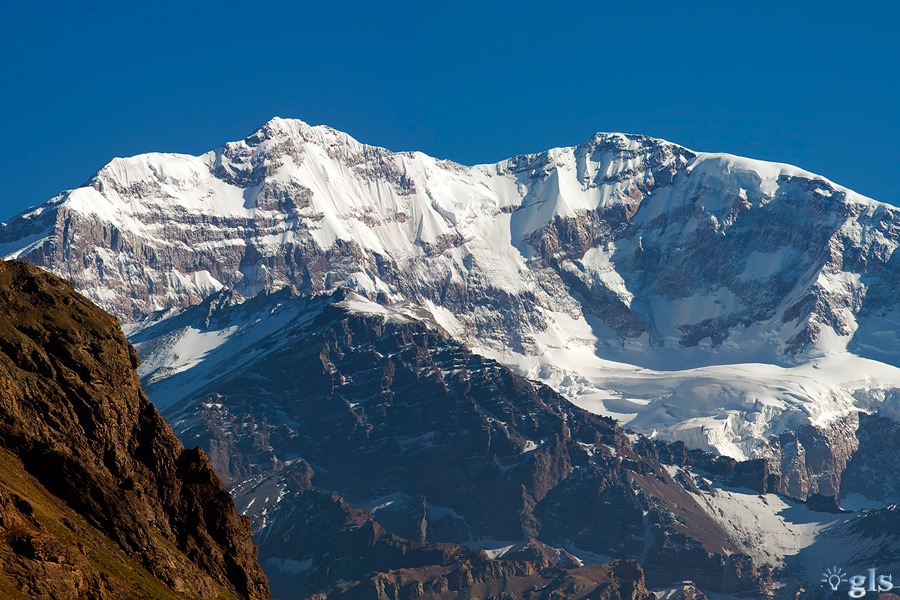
(834, 577)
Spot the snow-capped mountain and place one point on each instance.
(705, 297)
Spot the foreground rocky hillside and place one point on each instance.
(761, 294)
(98, 498)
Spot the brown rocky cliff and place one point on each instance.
(73, 414)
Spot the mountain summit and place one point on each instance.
(705, 297)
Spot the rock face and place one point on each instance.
(852, 455)
(812, 460)
(874, 469)
(99, 498)
(624, 247)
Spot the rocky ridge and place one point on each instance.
(98, 498)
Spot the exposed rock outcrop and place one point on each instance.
(854, 454)
(811, 459)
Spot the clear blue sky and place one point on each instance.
(816, 84)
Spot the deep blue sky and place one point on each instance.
(815, 84)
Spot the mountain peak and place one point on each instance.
(278, 127)
(281, 129)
